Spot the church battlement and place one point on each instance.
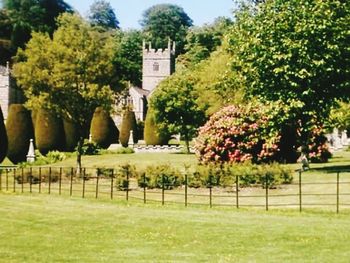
(166, 53)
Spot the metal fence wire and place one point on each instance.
(326, 191)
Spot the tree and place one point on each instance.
(103, 130)
(20, 130)
(294, 51)
(152, 134)
(175, 107)
(102, 15)
(32, 15)
(3, 138)
(128, 56)
(128, 124)
(49, 132)
(163, 21)
(68, 75)
(5, 36)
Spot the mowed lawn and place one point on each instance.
(43, 228)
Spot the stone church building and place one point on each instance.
(156, 66)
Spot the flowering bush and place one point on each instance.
(237, 134)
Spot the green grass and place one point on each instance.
(42, 228)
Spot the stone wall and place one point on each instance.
(4, 90)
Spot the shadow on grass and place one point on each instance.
(332, 169)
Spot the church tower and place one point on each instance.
(4, 89)
(157, 65)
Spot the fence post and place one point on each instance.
(162, 189)
(7, 180)
(14, 180)
(144, 188)
(186, 188)
(127, 185)
(1, 179)
(300, 193)
(267, 191)
(71, 182)
(210, 192)
(60, 182)
(50, 180)
(40, 180)
(112, 177)
(97, 181)
(22, 180)
(237, 189)
(338, 192)
(30, 179)
(84, 175)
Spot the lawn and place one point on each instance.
(43, 228)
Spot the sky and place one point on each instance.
(129, 12)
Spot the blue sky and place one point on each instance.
(129, 12)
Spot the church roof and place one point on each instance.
(140, 91)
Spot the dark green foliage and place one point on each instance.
(20, 130)
(125, 172)
(152, 134)
(103, 130)
(163, 21)
(89, 148)
(128, 124)
(102, 15)
(3, 138)
(71, 133)
(49, 132)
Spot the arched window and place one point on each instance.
(155, 66)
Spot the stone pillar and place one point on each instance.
(31, 152)
(131, 139)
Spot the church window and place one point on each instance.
(155, 66)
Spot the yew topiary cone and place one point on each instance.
(3, 138)
(128, 124)
(19, 130)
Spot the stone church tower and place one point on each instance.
(156, 66)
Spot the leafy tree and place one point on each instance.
(20, 130)
(68, 75)
(32, 15)
(163, 21)
(102, 15)
(294, 50)
(202, 41)
(3, 138)
(128, 56)
(5, 35)
(175, 107)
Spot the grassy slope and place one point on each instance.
(47, 229)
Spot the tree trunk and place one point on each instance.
(187, 144)
(79, 153)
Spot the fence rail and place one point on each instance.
(330, 191)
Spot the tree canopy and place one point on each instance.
(102, 14)
(163, 21)
(68, 74)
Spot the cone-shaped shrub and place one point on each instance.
(3, 138)
(71, 133)
(152, 133)
(19, 130)
(128, 124)
(49, 133)
(103, 130)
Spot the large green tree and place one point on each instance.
(69, 74)
(175, 107)
(296, 50)
(27, 16)
(163, 21)
(102, 15)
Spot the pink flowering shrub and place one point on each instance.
(237, 134)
